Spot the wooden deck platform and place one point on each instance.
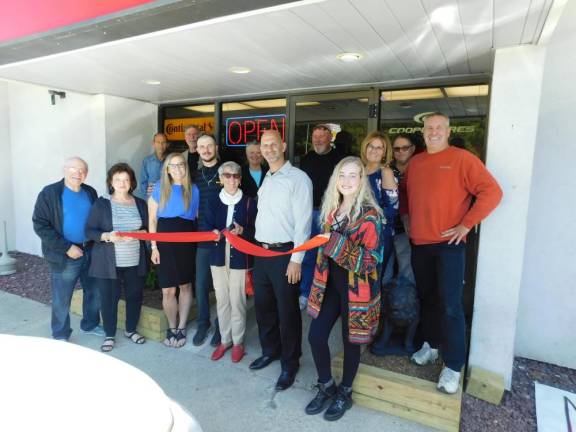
(404, 396)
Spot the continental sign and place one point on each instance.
(174, 128)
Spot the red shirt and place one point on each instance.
(440, 187)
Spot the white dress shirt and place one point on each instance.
(285, 208)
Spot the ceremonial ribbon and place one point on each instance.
(239, 243)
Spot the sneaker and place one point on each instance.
(200, 336)
(425, 355)
(449, 381)
(303, 301)
(96, 331)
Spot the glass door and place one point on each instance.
(347, 114)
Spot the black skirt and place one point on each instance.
(177, 260)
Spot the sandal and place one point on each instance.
(108, 344)
(180, 336)
(170, 337)
(135, 337)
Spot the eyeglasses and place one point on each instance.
(374, 148)
(403, 148)
(230, 175)
(179, 165)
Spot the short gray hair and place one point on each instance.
(68, 161)
(438, 114)
(233, 166)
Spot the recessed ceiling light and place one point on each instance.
(349, 57)
(151, 82)
(239, 70)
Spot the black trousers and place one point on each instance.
(277, 311)
(439, 272)
(110, 294)
(334, 305)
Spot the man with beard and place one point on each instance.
(208, 182)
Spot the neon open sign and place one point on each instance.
(243, 130)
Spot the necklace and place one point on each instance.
(211, 180)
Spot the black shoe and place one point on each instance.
(216, 339)
(285, 380)
(325, 395)
(340, 404)
(262, 362)
(200, 336)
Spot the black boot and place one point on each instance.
(324, 395)
(340, 404)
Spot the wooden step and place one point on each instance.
(153, 323)
(404, 396)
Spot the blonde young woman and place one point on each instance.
(173, 207)
(346, 274)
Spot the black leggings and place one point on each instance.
(334, 305)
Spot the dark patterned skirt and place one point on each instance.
(177, 260)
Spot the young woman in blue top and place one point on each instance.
(173, 207)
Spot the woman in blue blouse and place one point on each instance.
(376, 153)
(173, 207)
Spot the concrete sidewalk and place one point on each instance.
(221, 395)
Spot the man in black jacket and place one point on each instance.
(59, 220)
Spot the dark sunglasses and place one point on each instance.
(230, 175)
(403, 148)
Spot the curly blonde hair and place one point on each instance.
(333, 198)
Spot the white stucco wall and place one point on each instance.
(130, 125)
(514, 102)
(547, 310)
(98, 128)
(6, 209)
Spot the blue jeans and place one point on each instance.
(203, 286)
(309, 261)
(439, 271)
(63, 283)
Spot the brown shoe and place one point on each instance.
(237, 353)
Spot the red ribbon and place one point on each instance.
(239, 243)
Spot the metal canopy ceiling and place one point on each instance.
(294, 46)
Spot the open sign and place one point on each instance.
(243, 130)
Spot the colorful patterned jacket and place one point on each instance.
(358, 249)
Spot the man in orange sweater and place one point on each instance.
(440, 185)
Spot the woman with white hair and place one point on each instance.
(234, 211)
(346, 274)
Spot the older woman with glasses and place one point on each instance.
(234, 211)
(118, 260)
(376, 154)
(173, 207)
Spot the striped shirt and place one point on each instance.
(126, 218)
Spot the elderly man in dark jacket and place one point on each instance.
(59, 220)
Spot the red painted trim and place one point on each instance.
(21, 18)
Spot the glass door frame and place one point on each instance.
(372, 116)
